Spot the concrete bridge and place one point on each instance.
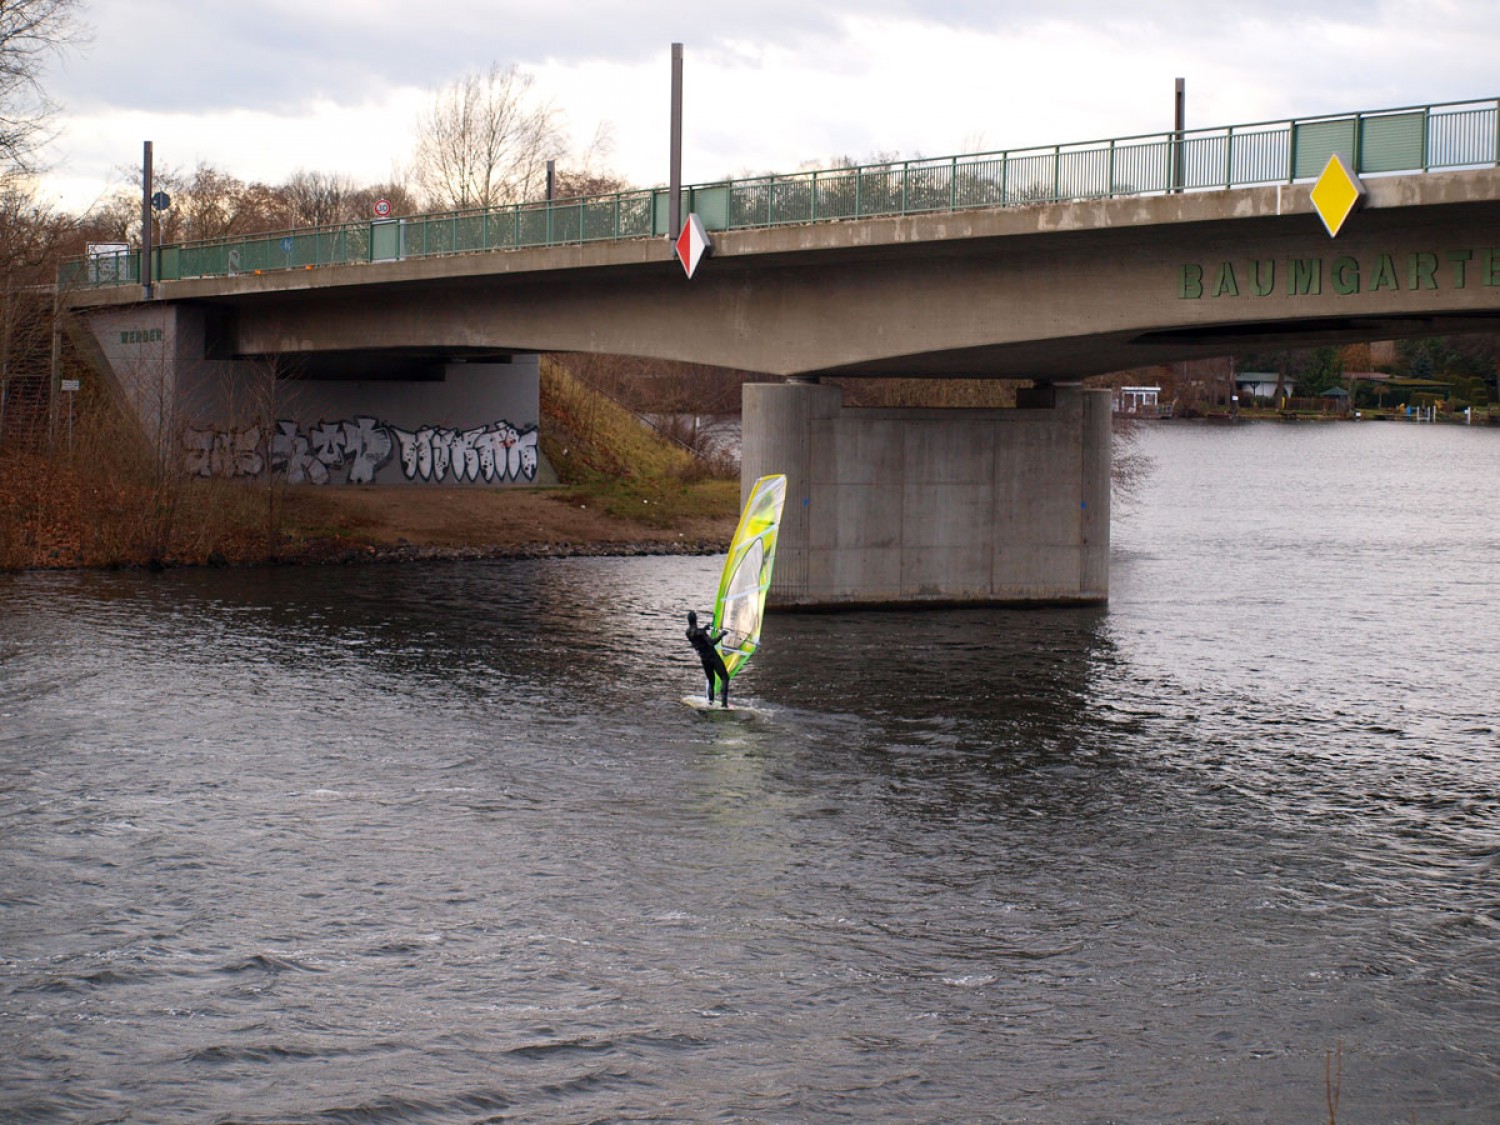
(1050, 292)
(887, 506)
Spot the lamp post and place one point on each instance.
(146, 221)
(674, 180)
(1179, 127)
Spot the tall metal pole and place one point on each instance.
(5, 359)
(674, 180)
(146, 270)
(54, 381)
(1179, 126)
(551, 198)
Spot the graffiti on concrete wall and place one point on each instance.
(351, 452)
(224, 453)
(498, 451)
(354, 452)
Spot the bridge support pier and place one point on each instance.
(934, 506)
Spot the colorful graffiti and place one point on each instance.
(354, 451)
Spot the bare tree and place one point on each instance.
(210, 203)
(582, 185)
(400, 198)
(326, 199)
(206, 203)
(316, 199)
(486, 142)
(30, 32)
(32, 240)
(32, 235)
(587, 173)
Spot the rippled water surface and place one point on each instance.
(441, 844)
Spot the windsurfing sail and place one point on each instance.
(741, 602)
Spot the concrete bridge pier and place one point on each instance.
(935, 506)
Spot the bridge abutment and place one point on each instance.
(933, 506)
(401, 422)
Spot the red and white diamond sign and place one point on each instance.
(692, 244)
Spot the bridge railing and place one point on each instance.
(1409, 139)
(1417, 139)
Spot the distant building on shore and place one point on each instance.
(1138, 400)
(1260, 384)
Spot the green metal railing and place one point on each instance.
(1410, 139)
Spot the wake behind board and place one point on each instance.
(700, 704)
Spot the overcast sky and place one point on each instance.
(261, 90)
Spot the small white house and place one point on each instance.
(1137, 400)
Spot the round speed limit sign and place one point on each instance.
(382, 208)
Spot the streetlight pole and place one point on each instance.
(1179, 127)
(674, 180)
(146, 218)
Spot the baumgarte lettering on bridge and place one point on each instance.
(1343, 274)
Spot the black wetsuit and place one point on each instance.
(713, 664)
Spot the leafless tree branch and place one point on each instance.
(486, 141)
(31, 31)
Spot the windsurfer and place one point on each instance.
(713, 664)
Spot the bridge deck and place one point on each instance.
(1378, 142)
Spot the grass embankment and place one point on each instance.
(606, 455)
(106, 500)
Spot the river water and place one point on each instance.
(440, 843)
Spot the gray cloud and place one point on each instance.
(183, 63)
(191, 55)
(276, 55)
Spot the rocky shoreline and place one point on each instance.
(342, 552)
(344, 526)
(412, 552)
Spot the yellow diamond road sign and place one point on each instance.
(1335, 194)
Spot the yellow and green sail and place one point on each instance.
(741, 601)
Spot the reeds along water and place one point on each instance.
(90, 490)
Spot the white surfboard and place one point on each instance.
(701, 704)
